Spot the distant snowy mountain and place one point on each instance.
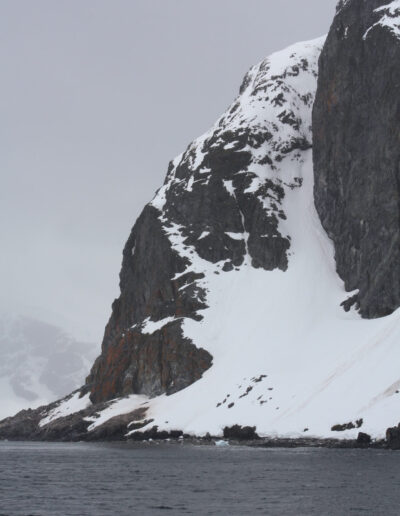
(38, 363)
(254, 284)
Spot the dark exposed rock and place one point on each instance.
(246, 393)
(132, 362)
(363, 438)
(25, 425)
(259, 379)
(347, 426)
(154, 433)
(357, 154)
(350, 302)
(151, 364)
(73, 427)
(240, 432)
(22, 426)
(393, 437)
(116, 428)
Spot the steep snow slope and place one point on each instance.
(286, 357)
(38, 363)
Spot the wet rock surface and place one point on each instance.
(356, 152)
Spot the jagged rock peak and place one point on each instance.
(356, 151)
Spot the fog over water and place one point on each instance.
(97, 97)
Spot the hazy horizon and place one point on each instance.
(97, 98)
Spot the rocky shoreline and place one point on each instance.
(75, 428)
(217, 441)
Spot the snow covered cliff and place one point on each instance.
(231, 309)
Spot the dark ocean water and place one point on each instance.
(120, 479)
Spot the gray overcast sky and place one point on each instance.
(96, 97)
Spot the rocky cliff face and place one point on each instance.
(221, 206)
(356, 150)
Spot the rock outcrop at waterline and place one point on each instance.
(356, 133)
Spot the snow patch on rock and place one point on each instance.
(117, 407)
(150, 327)
(390, 19)
(70, 405)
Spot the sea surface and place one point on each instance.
(79, 479)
